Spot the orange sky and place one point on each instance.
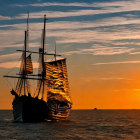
(102, 90)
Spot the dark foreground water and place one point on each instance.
(81, 125)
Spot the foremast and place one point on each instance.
(26, 66)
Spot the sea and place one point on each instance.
(81, 125)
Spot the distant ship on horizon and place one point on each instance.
(95, 108)
(51, 100)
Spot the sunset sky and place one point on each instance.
(99, 38)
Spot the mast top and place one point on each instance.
(45, 18)
(28, 22)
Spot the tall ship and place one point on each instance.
(51, 100)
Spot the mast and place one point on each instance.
(27, 31)
(43, 65)
(25, 45)
(44, 30)
(25, 50)
(23, 77)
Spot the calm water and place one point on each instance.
(81, 125)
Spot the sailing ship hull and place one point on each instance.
(29, 109)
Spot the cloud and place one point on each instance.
(58, 14)
(107, 50)
(105, 8)
(4, 17)
(113, 21)
(133, 53)
(72, 32)
(112, 78)
(66, 32)
(102, 50)
(15, 64)
(9, 57)
(61, 4)
(121, 62)
(129, 4)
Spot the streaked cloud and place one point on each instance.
(102, 50)
(133, 53)
(54, 4)
(15, 64)
(65, 32)
(4, 17)
(76, 32)
(58, 14)
(10, 57)
(112, 78)
(105, 7)
(120, 62)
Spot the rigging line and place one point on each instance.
(39, 88)
(27, 86)
(11, 70)
(7, 83)
(19, 86)
(18, 83)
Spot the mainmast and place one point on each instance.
(44, 31)
(24, 72)
(42, 57)
(27, 34)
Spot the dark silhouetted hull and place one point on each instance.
(29, 109)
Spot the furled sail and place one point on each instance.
(57, 80)
(29, 65)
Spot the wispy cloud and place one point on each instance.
(112, 78)
(4, 17)
(102, 50)
(73, 32)
(10, 57)
(54, 4)
(81, 32)
(113, 21)
(58, 14)
(133, 53)
(117, 5)
(15, 64)
(120, 62)
(105, 7)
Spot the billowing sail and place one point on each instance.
(29, 65)
(57, 80)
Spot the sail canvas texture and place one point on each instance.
(29, 65)
(57, 80)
